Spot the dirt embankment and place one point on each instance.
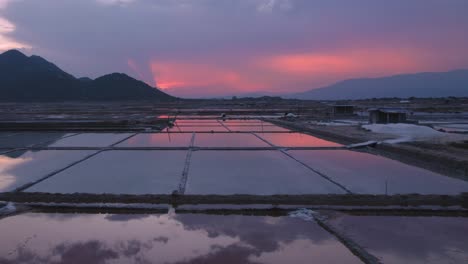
(313, 199)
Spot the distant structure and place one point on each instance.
(342, 109)
(387, 115)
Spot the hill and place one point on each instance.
(429, 84)
(33, 78)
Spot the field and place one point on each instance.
(241, 181)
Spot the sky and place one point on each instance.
(210, 48)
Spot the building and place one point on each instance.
(343, 109)
(387, 115)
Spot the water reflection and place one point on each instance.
(158, 140)
(252, 172)
(120, 172)
(187, 238)
(213, 128)
(296, 140)
(403, 239)
(228, 140)
(30, 138)
(20, 167)
(371, 174)
(257, 128)
(91, 140)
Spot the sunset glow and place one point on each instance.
(6, 43)
(203, 49)
(278, 72)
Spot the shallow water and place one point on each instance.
(371, 174)
(246, 123)
(30, 138)
(20, 167)
(296, 140)
(166, 238)
(409, 239)
(158, 140)
(197, 128)
(258, 128)
(91, 140)
(120, 172)
(197, 122)
(252, 172)
(228, 140)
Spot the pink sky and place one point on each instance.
(219, 47)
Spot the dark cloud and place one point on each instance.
(263, 233)
(126, 217)
(232, 254)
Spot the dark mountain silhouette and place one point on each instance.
(122, 87)
(428, 84)
(33, 78)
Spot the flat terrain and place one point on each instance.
(179, 184)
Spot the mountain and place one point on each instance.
(33, 78)
(119, 86)
(428, 84)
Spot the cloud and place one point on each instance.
(6, 42)
(6, 28)
(115, 2)
(4, 3)
(282, 72)
(221, 46)
(346, 61)
(268, 6)
(176, 75)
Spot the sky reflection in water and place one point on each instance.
(185, 238)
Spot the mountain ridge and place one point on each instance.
(422, 84)
(33, 78)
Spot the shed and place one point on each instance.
(343, 109)
(387, 115)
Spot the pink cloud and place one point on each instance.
(285, 72)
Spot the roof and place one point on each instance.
(341, 105)
(389, 110)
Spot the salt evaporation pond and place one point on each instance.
(296, 140)
(120, 172)
(166, 238)
(408, 239)
(158, 140)
(371, 174)
(91, 140)
(228, 140)
(253, 172)
(18, 168)
(27, 139)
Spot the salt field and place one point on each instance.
(371, 174)
(212, 191)
(158, 140)
(18, 168)
(213, 160)
(120, 172)
(253, 172)
(397, 239)
(228, 140)
(166, 238)
(91, 140)
(233, 132)
(29, 139)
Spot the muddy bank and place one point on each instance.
(345, 200)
